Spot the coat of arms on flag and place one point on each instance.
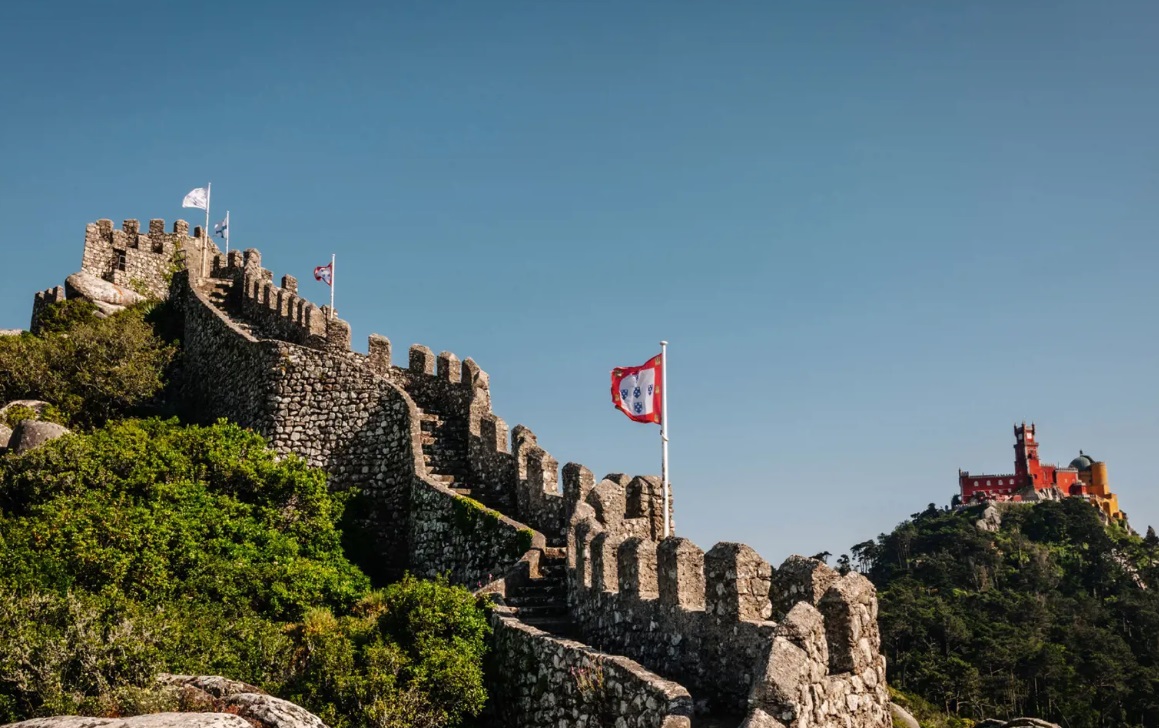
(324, 273)
(636, 391)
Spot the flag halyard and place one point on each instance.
(638, 392)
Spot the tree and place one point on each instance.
(91, 369)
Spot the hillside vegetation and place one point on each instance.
(1055, 615)
(139, 546)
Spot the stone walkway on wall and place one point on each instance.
(542, 602)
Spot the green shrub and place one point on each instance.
(409, 655)
(146, 547)
(90, 369)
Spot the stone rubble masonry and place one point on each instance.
(550, 681)
(704, 619)
(266, 358)
(129, 256)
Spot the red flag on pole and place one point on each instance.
(638, 391)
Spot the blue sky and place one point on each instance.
(875, 234)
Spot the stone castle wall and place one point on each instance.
(129, 257)
(706, 619)
(796, 647)
(41, 302)
(548, 681)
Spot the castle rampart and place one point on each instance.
(548, 681)
(132, 258)
(705, 619)
(42, 301)
(411, 440)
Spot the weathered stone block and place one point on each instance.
(736, 583)
(378, 350)
(422, 360)
(449, 369)
(680, 565)
(637, 572)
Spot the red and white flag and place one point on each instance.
(325, 273)
(638, 391)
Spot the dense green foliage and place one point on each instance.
(145, 547)
(90, 369)
(1047, 617)
(409, 655)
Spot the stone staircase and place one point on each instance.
(542, 602)
(444, 446)
(220, 295)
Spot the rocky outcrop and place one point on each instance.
(247, 701)
(5, 436)
(991, 519)
(156, 720)
(31, 434)
(902, 717)
(36, 405)
(227, 704)
(11, 332)
(109, 298)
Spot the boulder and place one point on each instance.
(98, 290)
(233, 704)
(156, 720)
(11, 332)
(35, 405)
(5, 436)
(31, 434)
(247, 701)
(104, 310)
(902, 717)
(991, 520)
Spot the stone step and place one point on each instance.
(544, 612)
(520, 599)
(558, 626)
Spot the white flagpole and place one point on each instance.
(332, 285)
(664, 431)
(227, 233)
(205, 240)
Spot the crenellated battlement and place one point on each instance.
(272, 311)
(705, 618)
(444, 486)
(132, 257)
(42, 301)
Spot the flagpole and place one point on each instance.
(332, 278)
(664, 431)
(205, 240)
(227, 233)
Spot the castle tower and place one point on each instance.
(1026, 465)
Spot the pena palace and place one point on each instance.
(1033, 480)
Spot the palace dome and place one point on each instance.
(1082, 462)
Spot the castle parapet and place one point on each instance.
(737, 582)
(680, 573)
(40, 304)
(703, 618)
(276, 312)
(132, 258)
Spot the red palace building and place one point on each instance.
(1084, 477)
